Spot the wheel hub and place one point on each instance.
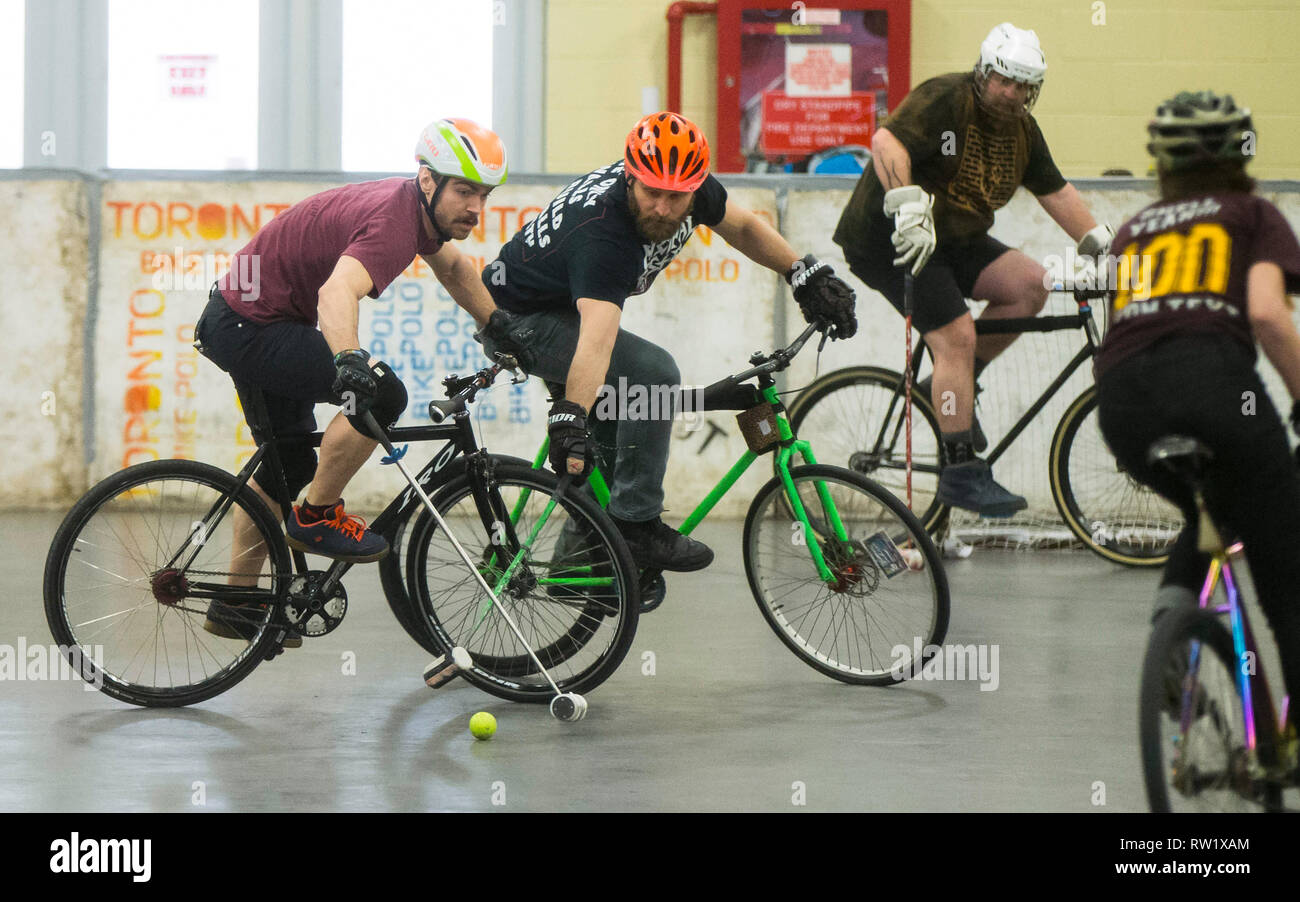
(862, 461)
(169, 586)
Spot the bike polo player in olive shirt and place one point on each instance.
(953, 152)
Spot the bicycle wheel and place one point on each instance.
(1191, 723)
(575, 600)
(866, 625)
(133, 569)
(846, 415)
(392, 568)
(1108, 510)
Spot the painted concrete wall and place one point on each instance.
(152, 396)
(44, 250)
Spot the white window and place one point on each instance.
(12, 32)
(405, 64)
(182, 84)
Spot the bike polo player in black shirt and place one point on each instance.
(560, 284)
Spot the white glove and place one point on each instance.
(1097, 241)
(913, 225)
(1091, 248)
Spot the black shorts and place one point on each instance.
(290, 362)
(939, 293)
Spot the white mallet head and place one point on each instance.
(569, 707)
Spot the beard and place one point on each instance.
(655, 228)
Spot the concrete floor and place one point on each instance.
(731, 721)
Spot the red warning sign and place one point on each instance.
(797, 126)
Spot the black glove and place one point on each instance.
(567, 426)
(497, 330)
(354, 383)
(823, 295)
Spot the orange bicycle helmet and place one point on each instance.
(667, 151)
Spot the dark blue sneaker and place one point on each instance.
(336, 535)
(979, 440)
(232, 620)
(970, 486)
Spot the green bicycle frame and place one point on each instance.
(790, 445)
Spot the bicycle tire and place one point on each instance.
(829, 414)
(605, 621)
(392, 569)
(70, 541)
(1107, 525)
(866, 595)
(1211, 753)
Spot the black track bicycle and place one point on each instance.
(147, 555)
(856, 416)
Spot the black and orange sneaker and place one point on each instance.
(336, 535)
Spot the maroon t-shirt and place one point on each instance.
(378, 223)
(1183, 267)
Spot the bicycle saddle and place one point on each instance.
(1179, 453)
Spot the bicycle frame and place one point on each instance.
(789, 446)
(460, 441)
(1082, 319)
(1243, 644)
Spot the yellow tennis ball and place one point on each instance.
(483, 725)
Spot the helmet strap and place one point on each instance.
(430, 204)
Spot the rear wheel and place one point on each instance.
(134, 568)
(855, 418)
(1191, 723)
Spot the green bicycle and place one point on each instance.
(841, 570)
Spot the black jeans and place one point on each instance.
(1206, 387)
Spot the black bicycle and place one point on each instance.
(150, 553)
(856, 417)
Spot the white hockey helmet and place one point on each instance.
(1012, 53)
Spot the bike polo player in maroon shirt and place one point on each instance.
(315, 263)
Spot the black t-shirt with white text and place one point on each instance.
(585, 244)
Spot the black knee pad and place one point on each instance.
(390, 401)
(299, 462)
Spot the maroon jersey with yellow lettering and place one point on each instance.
(1182, 270)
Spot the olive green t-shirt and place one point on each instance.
(971, 162)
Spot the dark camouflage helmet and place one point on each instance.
(1199, 127)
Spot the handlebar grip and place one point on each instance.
(440, 410)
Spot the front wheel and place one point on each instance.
(563, 572)
(870, 623)
(135, 568)
(1112, 513)
(1191, 723)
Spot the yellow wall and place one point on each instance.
(1103, 81)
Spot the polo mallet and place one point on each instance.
(907, 378)
(566, 706)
